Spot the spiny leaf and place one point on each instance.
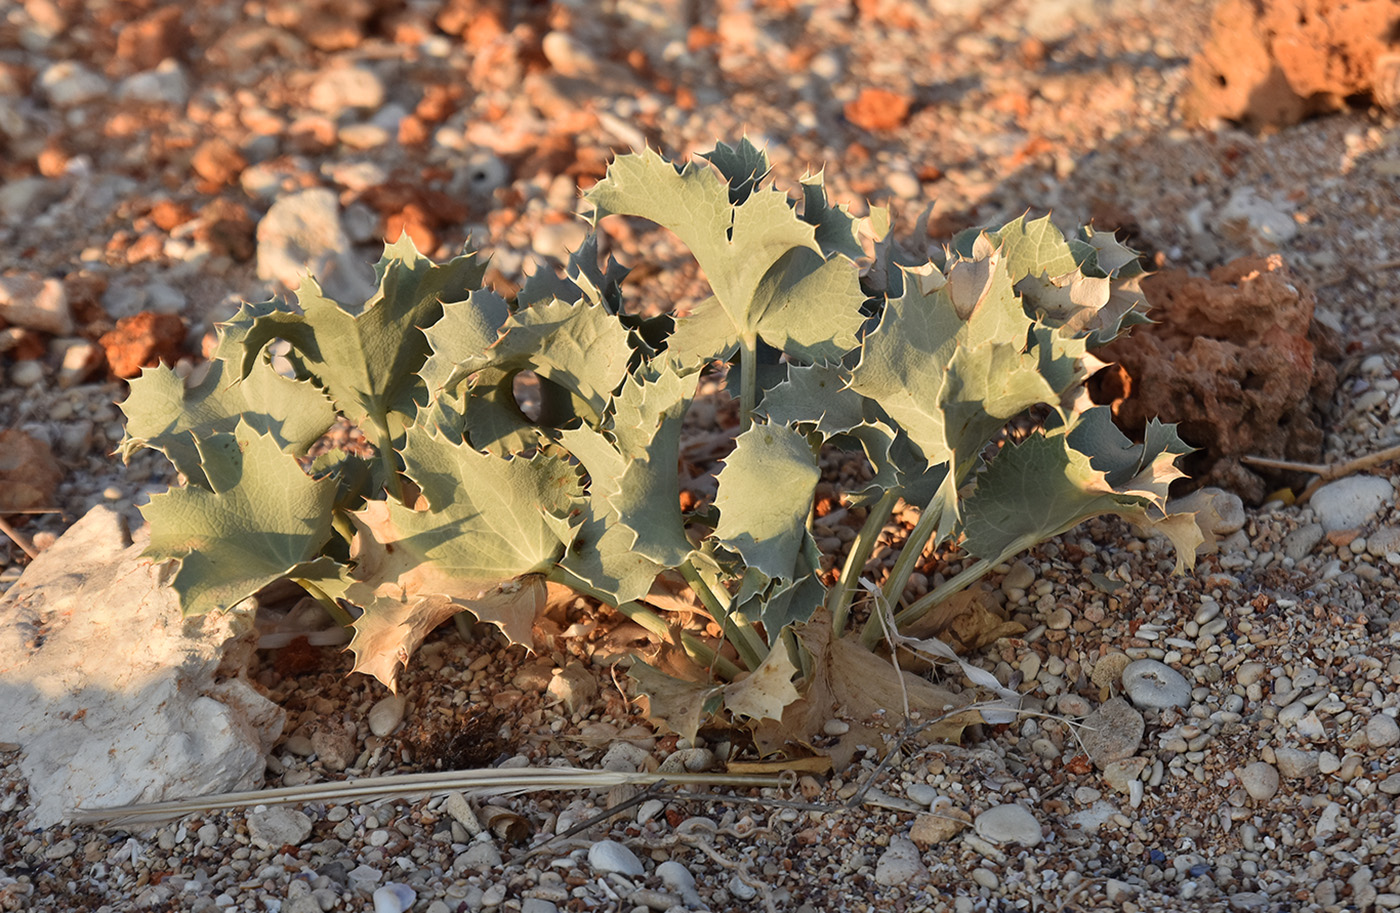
(162, 413)
(412, 574)
(764, 264)
(765, 494)
(838, 232)
(581, 347)
(466, 330)
(743, 165)
(767, 691)
(261, 519)
(366, 357)
(818, 395)
(1047, 485)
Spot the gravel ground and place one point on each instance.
(1221, 740)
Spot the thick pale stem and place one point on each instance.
(695, 648)
(384, 443)
(913, 549)
(748, 380)
(745, 639)
(838, 601)
(332, 607)
(919, 608)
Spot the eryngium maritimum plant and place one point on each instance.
(473, 503)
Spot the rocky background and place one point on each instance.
(160, 162)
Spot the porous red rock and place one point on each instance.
(1237, 360)
(142, 340)
(1272, 63)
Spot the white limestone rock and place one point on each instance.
(112, 695)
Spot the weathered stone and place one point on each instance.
(1271, 63)
(29, 300)
(302, 234)
(115, 697)
(1237, 361)
(1113, 732)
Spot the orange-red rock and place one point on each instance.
(878, 109)
(1271, 63)
(142, 340)
(1237, 361)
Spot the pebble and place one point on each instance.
(1113, 732)
(386, 715)
(558, 239)
(68, 84)
(35, 302)
(1249, 673)
(1072, 705)
(1298, 544)
(1220, 511)
(27, 373)
(1260, 779)
(609, 856)
(1121, 775)
(302, 233)
(1155, 686)
(339, 89)
(1382, 731)
(538, 905)
(394, 897)
(1296, 763)
(942, 824)
(478, 857)
(900, 864)
(1383, 541)
(676, 877)
(276, 827)
(1008, 824)
(1108, 670)
(1351, 502)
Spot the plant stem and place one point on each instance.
(332, 607)
(745, 639)
(838, 601)
(696, 648)
(748, 379)
(913, 549)
(384, 443)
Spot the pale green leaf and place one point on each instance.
(261, 519)
(366, 357)
(765, 494)
(1053, 481)
(579, 346)
(164, 414)
(466, 330)
(749, 253)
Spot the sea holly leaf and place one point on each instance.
(261, 519)
(579, 346)
(1028, 248)
(763, 263)
(367, 357)
(416, 569)
(680, 705)
(818, 395)
(950, 361)
(767, 691)
(504, 501)
(1055, 480)
(466, 329)
(765, 493)
(838, 232)
(602, 557)
(583, 280)
(743, 165)
(165, 414)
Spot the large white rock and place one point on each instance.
(302, 234)
(113, 697)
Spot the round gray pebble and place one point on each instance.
(609, 856)
(1008, 824)
(1259, 779)
(1156, 686)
